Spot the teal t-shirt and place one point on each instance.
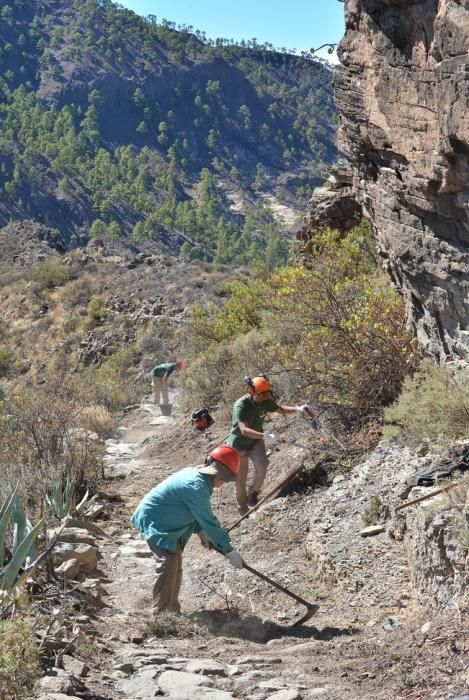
(177, 508)
(164, 370)
(253, 414)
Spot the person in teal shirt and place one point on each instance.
(248, 438)
(178, 508)
(159, 379)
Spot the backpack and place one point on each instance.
(201, 419)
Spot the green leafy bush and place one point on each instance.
(241, 313)
(51, 273)
(433, 405)
(370, 515)
(19, 660)
(96, 311)
(334, 323)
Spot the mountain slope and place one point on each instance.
(113, 123)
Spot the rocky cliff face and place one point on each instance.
(402, 91)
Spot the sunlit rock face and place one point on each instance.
(402, 91)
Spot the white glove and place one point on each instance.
(235, 559)
(303, 410)
(205, 540)
(270, 439)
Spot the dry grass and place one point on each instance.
(167, 624)
(98, 419)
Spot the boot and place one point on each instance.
(253, 498)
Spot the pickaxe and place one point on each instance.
(276, 488)
(312, 608)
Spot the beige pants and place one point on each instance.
(168, 579)
(160, 386)
(259, 459)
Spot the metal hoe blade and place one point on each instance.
(312, 608)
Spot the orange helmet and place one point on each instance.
(228, 456)
(258, 385)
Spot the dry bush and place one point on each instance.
(433, 405)
(11, 277)
(157, 340)
(168, 624)
(78, 292)
(98, 419)
(42, 440)
(7, 361)
(113, 384)
(19, 660)
(216, 377)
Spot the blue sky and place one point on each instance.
(299, 24)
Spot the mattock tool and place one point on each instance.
(311, 608)
(276, 488)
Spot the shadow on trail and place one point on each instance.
(254, 629)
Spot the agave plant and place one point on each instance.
(23, 548)
(60, 501)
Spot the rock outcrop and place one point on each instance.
(402, 91)
(334, 204)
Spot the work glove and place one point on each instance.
(235, 559)
(271, 440)
(304, 410)
(205, 540)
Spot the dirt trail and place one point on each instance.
(238, 641)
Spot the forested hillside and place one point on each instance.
(111, 123)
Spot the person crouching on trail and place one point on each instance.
(175, 509)
(248, 438)
(159, 379)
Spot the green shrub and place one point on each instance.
(344, 329)
(51, 273)
(96, 311)
(242, 312)
(433, 405)
(111, 385)
(403, 677)
(7, 360)
(370, 515)
(19, 660)
(334, 322)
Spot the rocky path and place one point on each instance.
(235, 638)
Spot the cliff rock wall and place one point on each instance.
(402, 91)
